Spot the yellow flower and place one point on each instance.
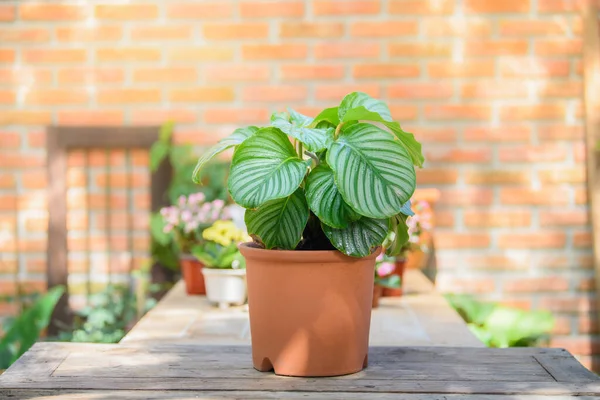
(225, 233)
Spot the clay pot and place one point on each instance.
(377, 292)
(191, 269)
(310, 311)
(400, 267)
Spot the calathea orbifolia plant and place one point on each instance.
(341, 180)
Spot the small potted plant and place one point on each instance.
(186, 220)
(321, 197)
(224, 267)
(385, 277)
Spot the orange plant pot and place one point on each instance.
(191, 269)
(310, 311)
(399, 270)
(377, 292)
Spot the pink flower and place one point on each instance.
(186, 215)
(218, 203)
(168, 228)
(385, 269)
(182, 201)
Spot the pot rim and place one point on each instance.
(223, 271)
(251, 250)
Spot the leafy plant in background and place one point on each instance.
(22, 331)
(344, 180)
(384, 268)
(219, 248)
(500, 326)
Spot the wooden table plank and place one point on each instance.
(420, 318)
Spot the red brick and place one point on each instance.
(162, 33)
(36, 139)
(527, 196)
(443, 27)
(515, 47)
(89, 34)
(451, 240)
(51, 12)
(123, 180)
(530, 27)
(56, 97)
(579, 152)
(36, 56)
(347, 50)
(562, 326)
(494, 89)
(7, 96)
(482, 155)
(7, 13)
(311, 29)
(237, 73)
(421, 7)
(468, 285)
(384, 28)
(497, 218)
(126, 11)
(489, 7)
(496, 177)
(562, 175)
(274, 51)
(203, 10)
(346, 7)
(535, 112)
(560, 132)
(469, 69)
(7, 56)
(588, 324)
(90, 117)
(557, 47)
(434, 135)
(541, 153)
(488, 262)
(395, 70)
(533, 68)
(577, 345)
(571, 304)
(458, 112)
(403, 112)
(13, 117)
(582, 239)
(504, 134)
(10, 140)
(199, 54)
(537, 285)
(559, 6)
(444, 219)
(35, 180)
(338, 91)
(235, 31)
(271, 9)
(312, 72)
(91, 75)
(202, 94)
(581, 196)
(432, 176)
(20, 77)
(560, 89)
(274, 93)
(545, 240)
(124, 54)
(24, 35)
(235, 115)
(166, 74)
(15, 160)
(412, 50)
(128, 96)
(440, 90)
(152, 117)
(7, 181)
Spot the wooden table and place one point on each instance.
(420, 318)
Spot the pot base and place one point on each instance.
(267, 366)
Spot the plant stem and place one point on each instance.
(313, 156)
(337, 130)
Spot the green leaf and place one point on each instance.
(372, 170)
(265, 167)
(279, 223)
(166, 131)
(236, 138)
(407, 209)
(391, 282)
(297, 125)
(157, 225)
(158, 152)
(407, 139)
(397, 225)
(329, 114)
(326, 201)
(360, 99)
(360, 238)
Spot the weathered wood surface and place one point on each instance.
(420, 318)
(171, 370)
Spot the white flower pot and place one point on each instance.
(225, 286)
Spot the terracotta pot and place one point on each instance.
(399, 270)
(310, 311)
(191, 269)
(377, 292)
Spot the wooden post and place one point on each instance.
(591, 72)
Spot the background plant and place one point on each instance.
(220, 246)
(384, 269)
(343, 181)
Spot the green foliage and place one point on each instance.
(24, 330)
(390, 282)
(499, 326)
(213, 255)
(356, 177)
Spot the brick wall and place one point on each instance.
(492, 88)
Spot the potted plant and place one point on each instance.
(322, 196)
(186, 220)
(224, 267)
(419, 224)
(385, 277)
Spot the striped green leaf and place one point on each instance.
(407, 209)
(372, 170)
(236, 138)
(406, 138)
(297, 125)
(325, 200)
(360, 238)
(397, 225)
(265, 167)
(329, 115)
(279, 223)
(360, 99)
